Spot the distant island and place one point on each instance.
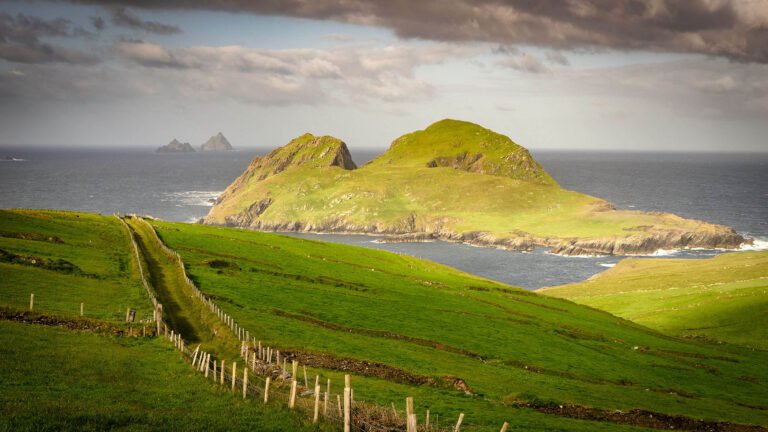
(176, 147)
(453, 181)
(216, 143)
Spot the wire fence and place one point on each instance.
(266, 374)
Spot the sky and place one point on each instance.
(619, 75)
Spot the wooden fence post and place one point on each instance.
(426, 421)
(294, 370)
(338, 402)
(214, 371)
(412, 422)
(347, 402)
(457, 428)
(222, 371)
(194, 356)
(306, 382)
(266, 390)
(408, 413)
(234, 369)
(504, 427)
(245, 382)
(81, 309)
(317, 403)
(207, 363)
(159, 318)
(292, 397)
(325, 401)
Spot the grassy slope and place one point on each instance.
(388, 189)
(181, 310)
(98, 245)
(573, 354)
(54, 379)
(724, 298)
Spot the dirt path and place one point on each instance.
(181, 310)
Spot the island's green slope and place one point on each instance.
(724, 298)
(430, 321)
(455, 181)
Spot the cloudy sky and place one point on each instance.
(673, 75)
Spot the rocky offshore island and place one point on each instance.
(454, 181)
(216, 143)
(176, 146)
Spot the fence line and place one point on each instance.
(138, 262)
(357, 414)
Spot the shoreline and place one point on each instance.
(571, 248)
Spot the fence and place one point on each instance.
(157, 308)
(273, 381)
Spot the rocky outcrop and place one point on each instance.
(306, 150)
(715, 237)
(175, 146)
(216, 143)
(650, 242)
(248, 216)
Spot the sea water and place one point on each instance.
(730, 189)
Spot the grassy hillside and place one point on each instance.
(68, 258)
(56, 379)
(723, 298)
(454, 180)
(402, 326)
(337, 304)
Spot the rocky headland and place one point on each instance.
(454, 181)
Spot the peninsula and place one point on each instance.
(454, 181)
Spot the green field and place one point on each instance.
(722, 298)
(56, 379)
(102, 270)
(455, 342)
(454, 179)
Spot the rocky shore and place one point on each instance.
(645, 242)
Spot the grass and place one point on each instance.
(723, 298)
(428, 320)
(55, 379)
(318, 297)
(108, 281)
(181, 310)
(504, 192)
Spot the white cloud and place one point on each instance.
(346, 74)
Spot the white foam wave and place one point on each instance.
(191, 198)
(609, 265)
(659, 253)
(757, 245)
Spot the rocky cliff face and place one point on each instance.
(216, 143)
(306, 150)
(175, 146)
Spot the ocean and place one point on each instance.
(730, 189)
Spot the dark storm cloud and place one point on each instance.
(735, 29)
(20, 40)
(123, 17)
(97, 22)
